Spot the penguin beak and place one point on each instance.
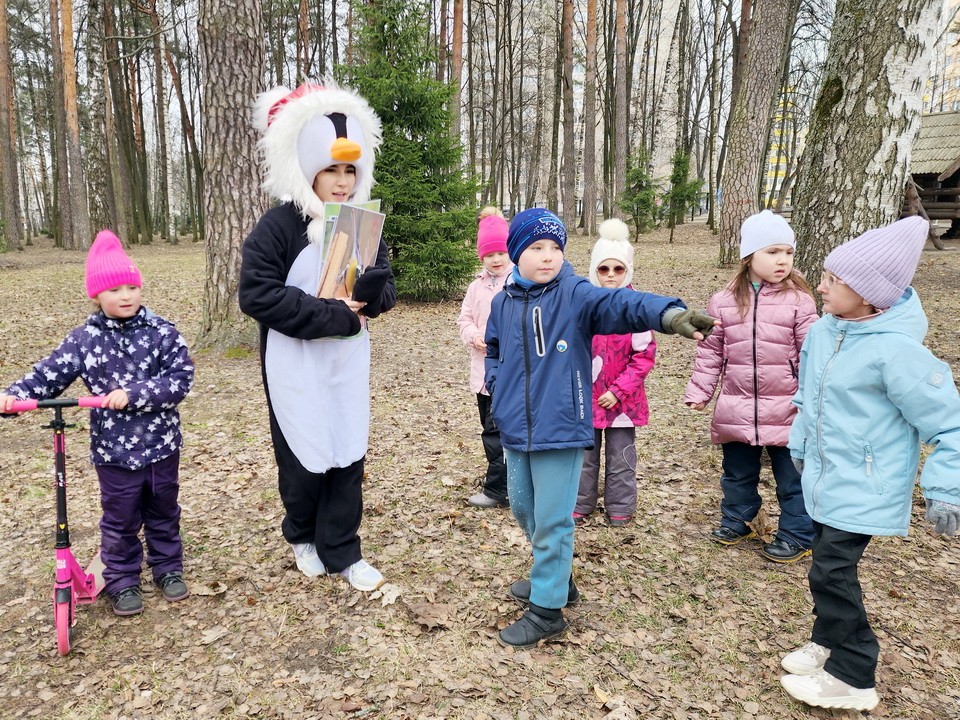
(344, 150)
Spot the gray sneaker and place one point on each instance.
(482, 500)
(173, 587)
(128, 601)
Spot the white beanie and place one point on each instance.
(763, 230)
(613, 244)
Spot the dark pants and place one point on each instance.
(321, 508)
(741, 496)
(620, 483)
(841, 623)
(132, 499)
(495, 482)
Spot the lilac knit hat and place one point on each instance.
(879, 264)
(492, 235)
(109, 266)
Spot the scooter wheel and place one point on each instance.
(61, 620)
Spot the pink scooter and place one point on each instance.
(73, 585)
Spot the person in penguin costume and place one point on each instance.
(318, 145)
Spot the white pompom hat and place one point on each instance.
(309, 129)
(613, 244)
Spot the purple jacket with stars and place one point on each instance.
(145, 356)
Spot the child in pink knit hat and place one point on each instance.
(492, 251)
(870, 393)
(140, 364)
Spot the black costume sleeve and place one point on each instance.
(266, 298)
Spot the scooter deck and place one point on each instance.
(96, 568)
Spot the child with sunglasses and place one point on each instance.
(620, 364)
(765, 312)
(870, 394)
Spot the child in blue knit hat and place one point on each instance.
(870, 393)
(538, 373)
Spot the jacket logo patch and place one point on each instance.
(936, 378)
(562, 345)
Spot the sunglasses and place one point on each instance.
(828, 279)
(616, 269)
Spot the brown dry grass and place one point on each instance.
(671, 625)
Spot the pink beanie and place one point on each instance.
(492, 235)
(879, 264)
(108, 265)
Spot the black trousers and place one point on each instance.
(321, 508)
(495, 482)
(841, 623)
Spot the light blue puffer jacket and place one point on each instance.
(869, 393)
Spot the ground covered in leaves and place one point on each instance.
(671, 626)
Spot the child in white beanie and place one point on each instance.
(765, 312)
(620, 365)
(870, 393)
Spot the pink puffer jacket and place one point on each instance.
(620, 363)
(756, 356)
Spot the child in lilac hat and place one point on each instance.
(870, 393)
(140, 363)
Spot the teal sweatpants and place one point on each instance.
(542, 487)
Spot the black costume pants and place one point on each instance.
(321, 508)
(841, 622)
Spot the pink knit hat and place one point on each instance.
(492, 235)
(879, 264)
(108, 265)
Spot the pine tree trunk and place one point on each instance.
(63, 223)
(621, 148)
(750, 119)
(229, 29)
(865, 120)
(456, 68)
(160, 104)
(568, 174)
(80, 214)
(103, 208)
(12, 215)
(589, 221)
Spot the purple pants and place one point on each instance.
(132, 499)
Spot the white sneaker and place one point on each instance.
(363, 576)
(308, 562)
(826, 691)
(807, 660)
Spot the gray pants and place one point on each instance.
(620, 483)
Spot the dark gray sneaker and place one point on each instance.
(128, 601)
(531, 629)
(520, 591)
(173, 587)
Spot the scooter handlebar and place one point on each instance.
(88, 401)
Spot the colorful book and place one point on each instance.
(351, 242)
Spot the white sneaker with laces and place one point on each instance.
(807, 660)
(308, 562)
(826, 691)
(363, 576)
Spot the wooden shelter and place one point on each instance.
(935, 170)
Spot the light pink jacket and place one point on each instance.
(473, 320)
(755, 357)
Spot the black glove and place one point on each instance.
(369, 289)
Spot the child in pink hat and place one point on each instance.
(870, 393)
(140, 364)
(492, 251)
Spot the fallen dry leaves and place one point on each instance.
(671, 626)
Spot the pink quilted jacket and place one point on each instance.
(755, 356)
(473, 320)
(620, 363)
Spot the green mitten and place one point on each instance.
(944, 516)
(687, 322)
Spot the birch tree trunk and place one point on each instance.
(761, 71)
(103, 207)
(229, 30)
(12, 215)
(864, 123)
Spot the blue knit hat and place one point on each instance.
(531, 225)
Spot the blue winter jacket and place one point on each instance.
(538, 363)
(869, 393)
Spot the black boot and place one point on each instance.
(520, 591)
(536, 624)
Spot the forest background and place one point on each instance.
(135, 116)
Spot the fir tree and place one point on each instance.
(429, 203)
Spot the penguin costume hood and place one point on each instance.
(307, 130)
